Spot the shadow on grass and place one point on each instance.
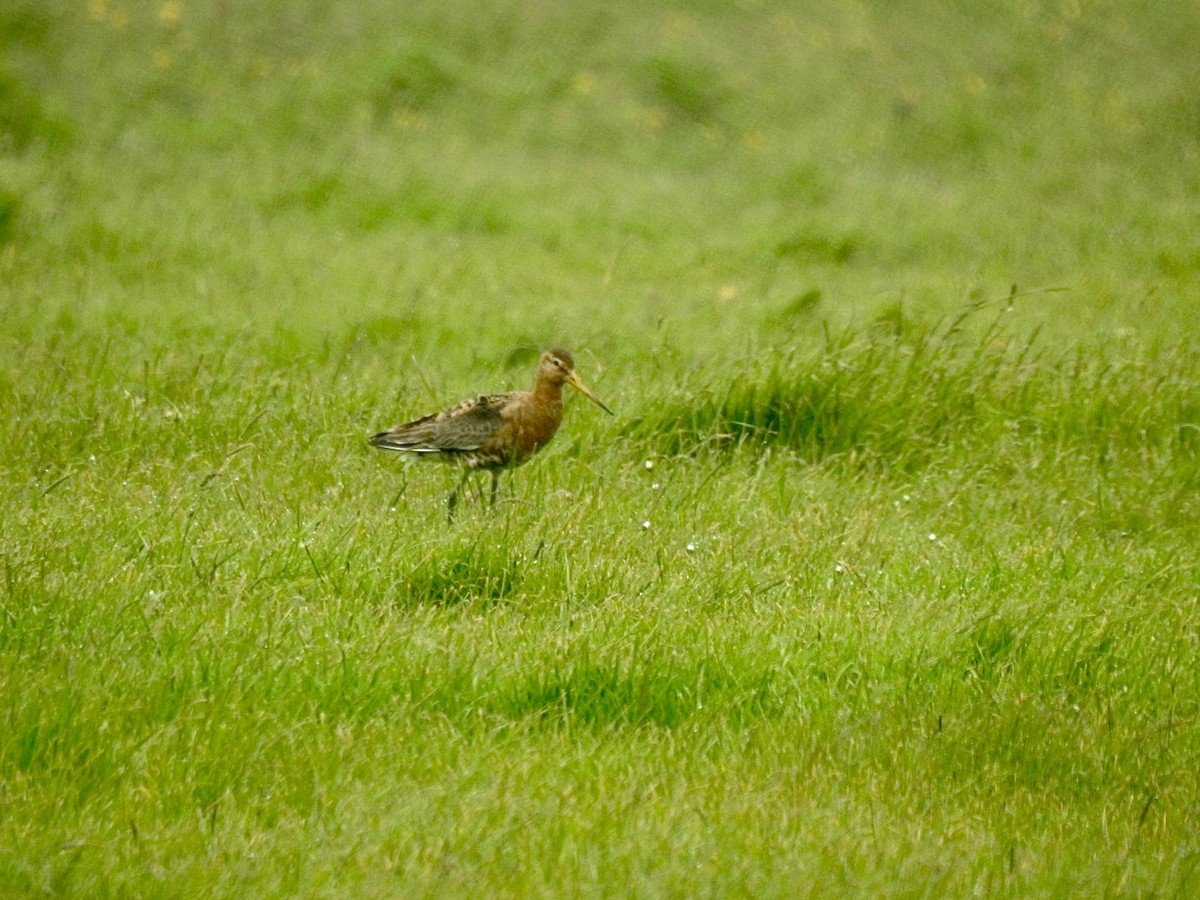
(601, 695)
(464, 573)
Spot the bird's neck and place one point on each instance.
(548, 391)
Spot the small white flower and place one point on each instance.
(655, 486)
(649, 464)
(932, 536)
(691, 548)
(646, 524)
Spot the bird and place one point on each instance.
(492, 432)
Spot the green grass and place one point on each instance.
(884, 580)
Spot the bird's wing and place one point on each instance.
(459, 429)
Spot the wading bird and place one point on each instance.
(493, 432)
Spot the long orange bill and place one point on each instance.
(578, 384)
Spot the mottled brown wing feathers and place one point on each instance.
(460, 429)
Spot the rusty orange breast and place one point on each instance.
(531, 424)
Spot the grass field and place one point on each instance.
(883, 580)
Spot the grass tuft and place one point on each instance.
(415, 80)
(907, 398)
(686, 90)
(10, 207)
(24, 118)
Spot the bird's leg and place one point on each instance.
(452, 500)
(495, 484)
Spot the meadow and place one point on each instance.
(883, 581)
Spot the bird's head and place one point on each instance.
(558, 367)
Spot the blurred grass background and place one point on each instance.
(522, 163)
